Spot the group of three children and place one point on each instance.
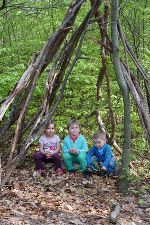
(74, 150)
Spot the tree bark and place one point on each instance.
(123, 181)
(102, 21)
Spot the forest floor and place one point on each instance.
(70, 200)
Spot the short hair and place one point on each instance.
(99, 134)
(74, 121)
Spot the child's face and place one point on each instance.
(74, 130)
(50, 130)
(99, 142)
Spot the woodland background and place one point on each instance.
(26, 25)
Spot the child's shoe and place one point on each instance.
(86, 175)
(38, 173)
(72, 171)
(64, 171)
(117, 171)
(111, 174)
(59, 171)
(42, 173)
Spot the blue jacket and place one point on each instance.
(103, 154)
(80, 144)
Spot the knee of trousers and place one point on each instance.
(56, 156)
(81, 156)
(66, 156)
(37, 155)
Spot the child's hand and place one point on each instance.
(88, 168)
(49, 154)
(103, 168)
(73, 151)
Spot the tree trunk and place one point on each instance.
(123, 180)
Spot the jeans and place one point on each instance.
(109, 169)
(40, 159)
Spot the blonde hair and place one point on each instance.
(74, 121)
(99, 134)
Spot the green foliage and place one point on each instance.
(135, 18)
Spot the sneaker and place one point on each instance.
(111, 174)
(42, 173)
(64, 170)
(59, 171)
(86, 175)
(72, 171)
(89, 169)
(117, 172)
(38, 173)
(102, 173)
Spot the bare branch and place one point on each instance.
(45, 56)
(3, 5)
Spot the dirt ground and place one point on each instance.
(69, 199)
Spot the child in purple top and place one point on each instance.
(48, 150)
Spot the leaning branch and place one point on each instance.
(9, 169)
(45, 56)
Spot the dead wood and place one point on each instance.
(143, 106)
(30, 79)
(133, 57)
(140, 103)
(60, 66)
(114, 214)
(45, 56)
(102, 22)
(14, 162)
(139, 98)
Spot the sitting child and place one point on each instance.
(48, 150)
(101, 154)
(75, 148)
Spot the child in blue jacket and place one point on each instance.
(101, 154)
